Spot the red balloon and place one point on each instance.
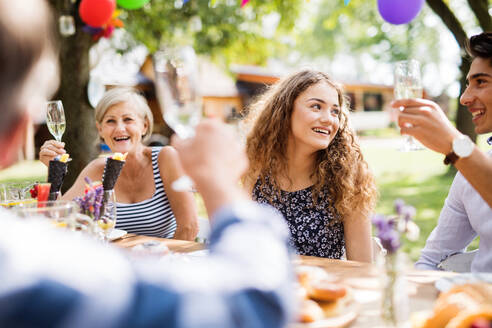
(96, 13)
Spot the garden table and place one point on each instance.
(364, 279)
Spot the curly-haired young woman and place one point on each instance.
(306, 162)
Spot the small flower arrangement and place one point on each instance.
(90, 204)
(389, 228)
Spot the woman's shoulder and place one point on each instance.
(166, 153)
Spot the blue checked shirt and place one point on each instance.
(55, 278)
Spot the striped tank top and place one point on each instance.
(151, 217)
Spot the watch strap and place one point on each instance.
(451, 158)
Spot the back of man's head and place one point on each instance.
(480, 45)
(27, 67)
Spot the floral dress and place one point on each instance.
(315, 229)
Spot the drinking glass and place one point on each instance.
(107, 220)
(408, 85)
(61, 213)
(55, 119)
(176, 82)
(16, 191)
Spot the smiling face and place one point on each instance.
(316, 117)
(478, 94)
(122, 128)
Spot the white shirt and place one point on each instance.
(464, 216)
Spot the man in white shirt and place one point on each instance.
(467, 211)
(55, 278)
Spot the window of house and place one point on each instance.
(373, 102)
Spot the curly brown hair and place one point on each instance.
(341, 172)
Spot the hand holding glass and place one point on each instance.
(408, 85)
(55, 119)
(176, 82)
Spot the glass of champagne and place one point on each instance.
(408, 85)
(176, 83)
(108, 216)
(55, 119)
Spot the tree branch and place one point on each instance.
(481, 11)
(450, 20)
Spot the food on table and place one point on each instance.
(324, 290)
(310, 311)
(306, 274)
(319, 294)
(478, 318)
(57, 170)
(461, 307)
(112, 170)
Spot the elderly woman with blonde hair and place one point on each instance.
(147, 204)
(305, 161)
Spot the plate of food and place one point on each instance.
(324, 301)
(462, 305)
(446, 283)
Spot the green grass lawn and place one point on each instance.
(419, 178)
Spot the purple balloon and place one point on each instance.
(399, 11)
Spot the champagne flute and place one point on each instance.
(55, 119)
(408, 85)
(176, 82)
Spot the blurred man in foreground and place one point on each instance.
(467, 211)
(55, 278)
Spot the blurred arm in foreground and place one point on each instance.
(56, 278)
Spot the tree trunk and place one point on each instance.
(464, 121)
(80, 134)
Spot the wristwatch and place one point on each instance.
(462, 147)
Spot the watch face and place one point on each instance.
(463, 146)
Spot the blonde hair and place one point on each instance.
(119, 95)
(341, 173)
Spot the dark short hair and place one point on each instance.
(480, 45)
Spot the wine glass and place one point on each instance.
(55, 119)
(107, 219)
(176, 82)
(408, 85)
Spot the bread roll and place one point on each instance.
(310, 311)
(466, 299)
(326, 291)
(466, 318)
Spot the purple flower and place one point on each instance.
(390, 239)
(90, 204)
(399, 204)
(389, 228)
(408, 212)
